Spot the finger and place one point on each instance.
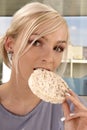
(82, 114)
(66, 109)
(73, 94)
(76, 102)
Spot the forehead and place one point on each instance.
(61, 33)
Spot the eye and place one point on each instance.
(58, 48)
(37, 43)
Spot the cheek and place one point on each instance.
(58, 60)
(27, 63)
(24, 67)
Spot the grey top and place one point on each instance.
(44, 116)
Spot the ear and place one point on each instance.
(9, 44)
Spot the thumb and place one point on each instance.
(66, 109)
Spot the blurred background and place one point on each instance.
(75, 12)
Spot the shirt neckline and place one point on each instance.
(34, 110)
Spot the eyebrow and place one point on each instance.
(44, 37)
(59, 41)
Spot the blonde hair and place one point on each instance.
(26, 21)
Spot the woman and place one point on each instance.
(36, 38)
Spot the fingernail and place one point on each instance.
(72, 114)
(68, 94)
(63, 119)
(70, 89)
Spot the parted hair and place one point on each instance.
(27, 20)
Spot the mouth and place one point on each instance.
(42, 68)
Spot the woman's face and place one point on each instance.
(45, 53)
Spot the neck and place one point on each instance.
(19, 87)
(21, 91)
(17, 97)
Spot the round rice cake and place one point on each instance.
(48, 86)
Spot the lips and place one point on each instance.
(42, 68)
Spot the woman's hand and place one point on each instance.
(78, 119)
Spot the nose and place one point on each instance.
(48, 56)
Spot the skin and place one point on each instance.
(78, 119)
(46, 53)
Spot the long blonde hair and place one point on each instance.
(25, 22)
